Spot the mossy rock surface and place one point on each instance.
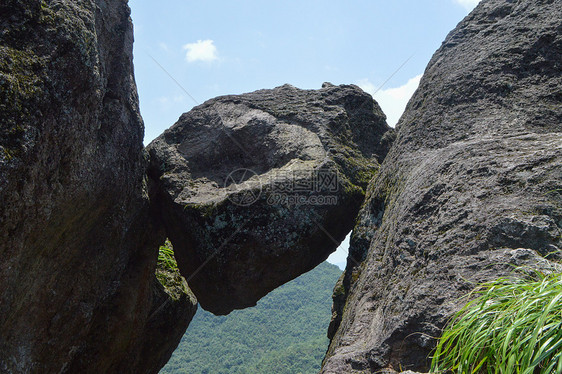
(77, 239)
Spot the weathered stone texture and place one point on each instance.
(246, 184)
(471, 187)
(77, 242)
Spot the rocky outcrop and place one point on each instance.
(77, 241)
(256, 189)
(471, 187)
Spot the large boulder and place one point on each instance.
(471, 187)
(256, 189)
(77, 241)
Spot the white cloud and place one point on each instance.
(166, 102)
(393, 100)
(468, 4)
(203, 50)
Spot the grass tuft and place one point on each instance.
(514, 326)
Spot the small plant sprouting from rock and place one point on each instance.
(513, 326)
(166, 257)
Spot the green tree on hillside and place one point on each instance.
(284, 334)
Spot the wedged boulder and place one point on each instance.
(77, 240)
(256, 189)
(471, 187)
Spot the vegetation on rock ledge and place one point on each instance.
(513, 326)
(168, 274)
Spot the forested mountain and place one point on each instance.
(284, 334)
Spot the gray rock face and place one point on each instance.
(471, 187)
(259, 188)
(77, 242)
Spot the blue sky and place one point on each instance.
(187, 52)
